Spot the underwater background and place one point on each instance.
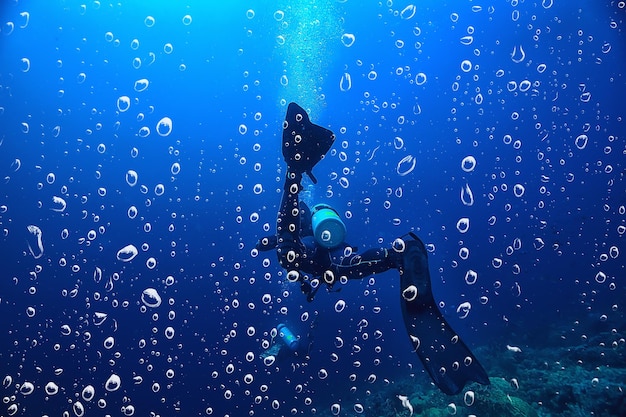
(140, 162)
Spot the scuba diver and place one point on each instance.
(285, 344)
(310, 246)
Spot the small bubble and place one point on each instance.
(463, 224)
(279, 15)
(467, 197)
(471, 277)
(345, 84)
(464, 309)
(468, 163)
(164, 126)
(406, 165)
(408, 12)
(123, 103)
(151, 298)
(348, 39)
(131, 177)
(466, 65)
(25, 64)
(581, 141)
(467, 40)
(51, 388)
(151, 263)
(109, 342)
(518, 55)
(113, 383)
(141, 85)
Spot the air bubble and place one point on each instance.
(408, 12)
(467, 197)
(581, 141)
(113, 383)
(406, 165)
(127, 253)
(471, 277)
(123, 103)
(468, 163)
(420, 78)
(164, 126)
(151, 298)
(131, 177)
(141, 85)
(463, 224)
(348, 39)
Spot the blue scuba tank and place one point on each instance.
(328, 228)
(288, 337)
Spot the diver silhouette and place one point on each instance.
(310, 246)
(286, 345)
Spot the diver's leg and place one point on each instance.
(304, 144)
(289, 246)
(372, 261)
(444, 355)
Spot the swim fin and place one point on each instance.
(304, 143)
(448, 361)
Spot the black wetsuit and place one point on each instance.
(308, 262)
(445, 357)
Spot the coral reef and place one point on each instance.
(571, 380)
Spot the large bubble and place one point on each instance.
(151, 298)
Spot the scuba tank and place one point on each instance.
(288, 337)
(328, 228)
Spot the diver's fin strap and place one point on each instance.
(410, 234)
(310, 174)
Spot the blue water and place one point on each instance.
(532, 91)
